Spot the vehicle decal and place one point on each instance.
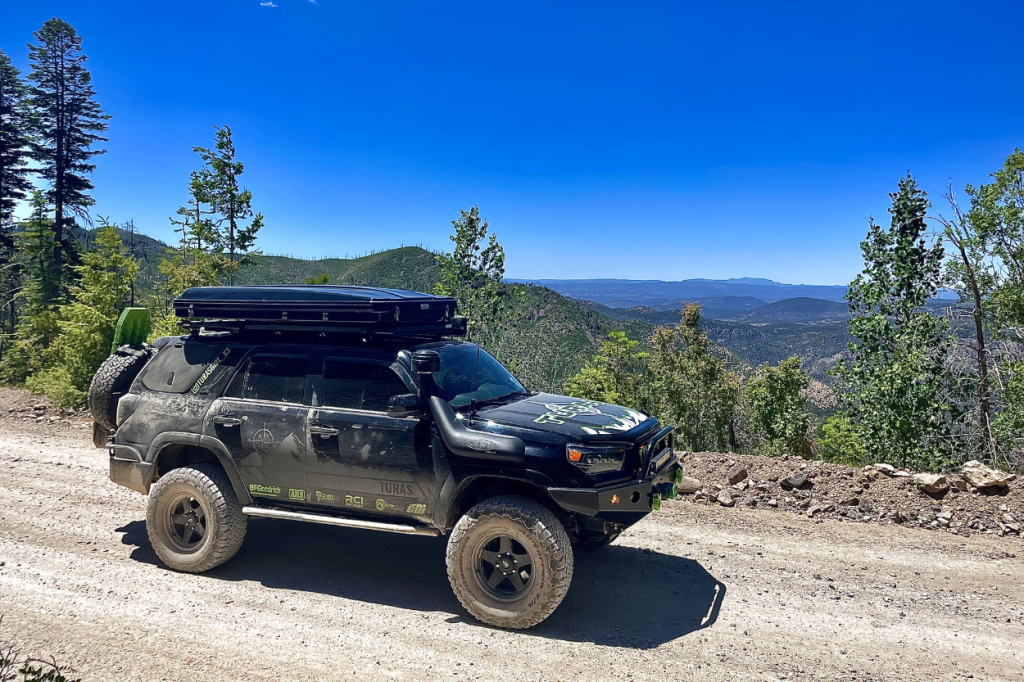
(264, 490)
(295, 494)
(353, 500)
(399, 489)
(383, 505)
(559, 413)
(419, 509)
(209, 370)
(263, 441)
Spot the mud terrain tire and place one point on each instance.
(497, 544)
(194, 520)
(111, 381)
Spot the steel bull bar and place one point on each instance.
(627, 503)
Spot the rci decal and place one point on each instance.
(264, 490)
(353, 500)
(383, 505)
(294, 494)
(400, 489)
(324, 497)
(416, 509)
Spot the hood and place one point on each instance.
(586, 420)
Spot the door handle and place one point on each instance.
(226, 420)
(325, 431)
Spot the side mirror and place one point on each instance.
(407, 405)
(426, 361)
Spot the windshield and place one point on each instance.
(463, 377)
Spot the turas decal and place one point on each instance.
(559, 413)
(209, 370)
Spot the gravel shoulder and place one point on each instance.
(693, 592)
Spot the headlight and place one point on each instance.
(596, 459)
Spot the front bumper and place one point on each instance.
(625, 503)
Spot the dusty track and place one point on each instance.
(691, 593)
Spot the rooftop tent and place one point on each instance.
(320, 308)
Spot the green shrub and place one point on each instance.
(839, 442)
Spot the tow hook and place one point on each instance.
(655, 501)
(676, 474)
(667, 491)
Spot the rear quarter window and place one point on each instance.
(197, 368)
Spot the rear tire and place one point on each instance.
(194, 520)
(111, 381)
(510, 562)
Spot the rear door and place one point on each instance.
(263, 420)
(366, 461)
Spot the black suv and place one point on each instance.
(384, 427)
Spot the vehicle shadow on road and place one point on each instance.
(620, 596)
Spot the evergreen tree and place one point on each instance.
(13, 186)
(87, 325)
(894, 379)
(37, 320)
(694, 390)
(233, 228)
(66, 123)
(776, 409)
(14, 147)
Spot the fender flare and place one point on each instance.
(446, 510)
(207, 443)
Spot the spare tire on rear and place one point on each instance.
(112, 380)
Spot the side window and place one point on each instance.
(193, 367)
(280, 378)
(360, 385)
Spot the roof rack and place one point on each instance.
(320, 309)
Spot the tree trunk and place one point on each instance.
(984, 392)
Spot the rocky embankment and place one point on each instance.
(975, 500)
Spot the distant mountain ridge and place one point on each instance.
(661, 295)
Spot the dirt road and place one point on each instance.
(690, 593)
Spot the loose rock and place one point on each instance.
(981, 476)
(931, 483)
(737, 474)
(725, 499)
(794, 482)
(689, 485)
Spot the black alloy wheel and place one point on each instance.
(505, 568)
(186, 523)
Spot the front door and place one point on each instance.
(263, 421)
(365, 460)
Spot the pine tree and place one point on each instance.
(87, 325)
(37, 320)
(66, 123)
(894, 379)
(14, 147)
(14, 185)
(233, 228)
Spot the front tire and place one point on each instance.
(510, 562)
(194, 520)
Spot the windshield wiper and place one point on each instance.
(504, 396)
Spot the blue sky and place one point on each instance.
(648, 140)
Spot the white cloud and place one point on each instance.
(267, 4)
